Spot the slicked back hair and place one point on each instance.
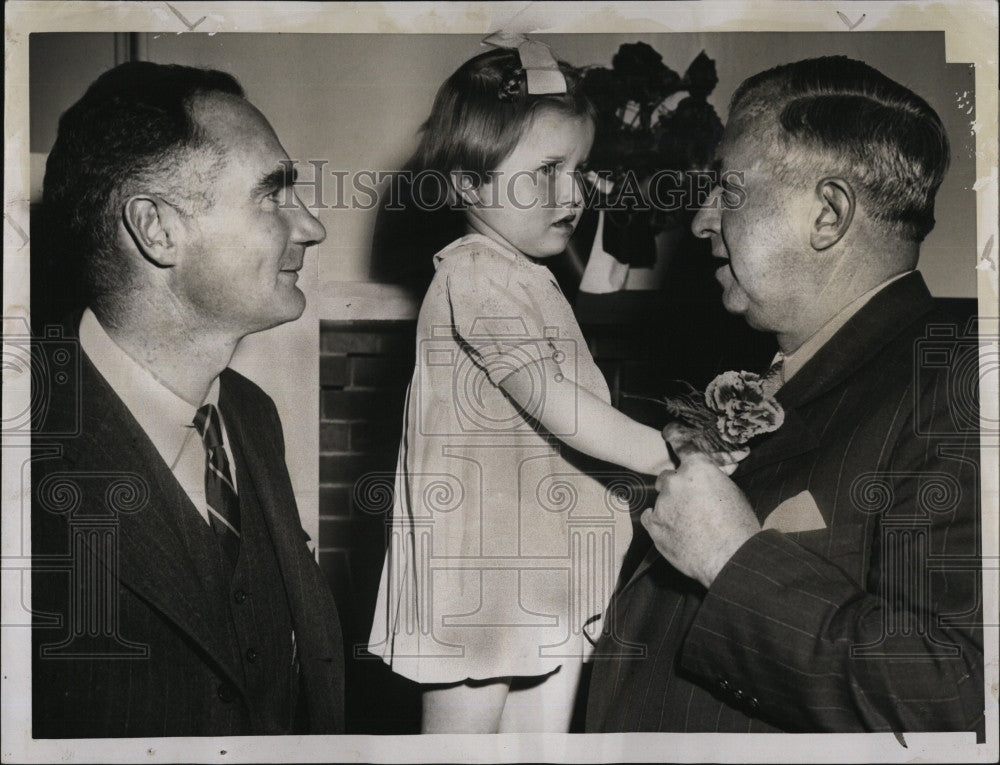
(835, 113)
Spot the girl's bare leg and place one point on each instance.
(474, 706)
(542, 704)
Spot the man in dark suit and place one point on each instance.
(832, 584)
(173, 592)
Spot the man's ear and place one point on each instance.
(464, 188)
(152, 226)
(836, 201)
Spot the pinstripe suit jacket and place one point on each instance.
(868, 621)
(157, 659)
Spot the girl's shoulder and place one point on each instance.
(481, 257)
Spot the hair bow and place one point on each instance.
(541, 72)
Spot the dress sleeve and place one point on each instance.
(496, 314)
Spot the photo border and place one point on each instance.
(970, 30)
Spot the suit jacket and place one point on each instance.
(125, 642)
(861, 609)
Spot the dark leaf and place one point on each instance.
(701, 78)
(689, 136)
(644, 77)
(603, 88)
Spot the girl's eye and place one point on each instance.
(548, 168)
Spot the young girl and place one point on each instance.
(491, 570)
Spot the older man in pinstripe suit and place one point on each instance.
(833, 583)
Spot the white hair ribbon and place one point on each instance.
(541, 72)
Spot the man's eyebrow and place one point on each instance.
(280, 178)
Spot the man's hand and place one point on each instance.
(683, 439)
(701, 518)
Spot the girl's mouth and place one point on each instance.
(566, 223)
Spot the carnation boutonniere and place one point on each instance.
(733, 409)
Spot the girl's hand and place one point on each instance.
(682, 439)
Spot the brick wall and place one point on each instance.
(364, 370)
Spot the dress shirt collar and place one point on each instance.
(797, 359)
(164, 416)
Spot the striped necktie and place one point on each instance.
(220, 494)
(774, 378)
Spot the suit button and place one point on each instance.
(753, 705)
(723, 685)
(739, 695)
(226, 692)
(251, 655)
(240, 597)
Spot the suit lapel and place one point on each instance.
(652, 555)
(260, 461)
(865, 334)
(152, 558)
(857, 342)
(792, 439)
(257, 458)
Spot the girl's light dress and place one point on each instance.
(499, 548)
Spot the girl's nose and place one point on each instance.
(568, 191)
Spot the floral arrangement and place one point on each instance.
(733, 409)
(649, 118)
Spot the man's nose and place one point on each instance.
(706, 221)
(306, 228)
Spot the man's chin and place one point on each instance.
(291, 308)
(732, 303)
(297, 307)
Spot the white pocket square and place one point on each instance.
(798, 513)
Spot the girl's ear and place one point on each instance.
(464, 188)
